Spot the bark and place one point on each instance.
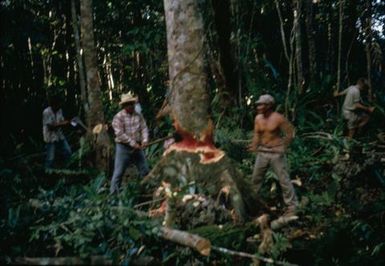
(297, 4)
(79, 58)
(189, 100)
(195, 159)
(202, 245)
(368, 45)
(95, 115)
(139, 62)
(281, 23)
(310, 40)
(331, 47)
(180, 168)
(93, 260)
(341, 20)
(291, 79)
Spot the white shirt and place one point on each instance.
(50, 117)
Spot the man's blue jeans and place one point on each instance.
(124, 155)
(61, 147)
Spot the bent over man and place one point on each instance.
(271, 147)
(354, 112)
(131, 135)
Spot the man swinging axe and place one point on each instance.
(131, 136)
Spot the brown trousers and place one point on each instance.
(279, 164)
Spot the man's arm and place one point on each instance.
(336, 93)
(54, 126)
(121, 136)
(144, 131)
(256, 137)
(49, 121)
(359, 105)
(288, 130)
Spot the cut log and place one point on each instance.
(94, 260)
(200, 244)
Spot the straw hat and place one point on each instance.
(266, 99)
(127, 97)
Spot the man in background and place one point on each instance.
(354, 112)
(53, 123)
(271, 147)
(131, 136)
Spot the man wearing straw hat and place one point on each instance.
(131, 135)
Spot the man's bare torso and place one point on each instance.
(268, 129)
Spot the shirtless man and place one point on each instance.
(270, 147)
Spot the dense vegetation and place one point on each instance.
(327, 45)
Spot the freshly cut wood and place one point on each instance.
(200, 244)
(266, 234)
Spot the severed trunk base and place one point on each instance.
(200, 193)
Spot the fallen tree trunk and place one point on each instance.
(94, 260)
(200, 244)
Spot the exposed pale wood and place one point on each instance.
(202, 245)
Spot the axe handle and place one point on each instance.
(157, 141)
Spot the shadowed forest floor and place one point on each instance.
(68, 213)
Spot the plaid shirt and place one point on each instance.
(130, 128)
(50, 117)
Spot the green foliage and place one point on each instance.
(87, 221)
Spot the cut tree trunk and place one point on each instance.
(194, 163)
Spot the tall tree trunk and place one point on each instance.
(331, 49)
(311, 41)
(282, 29)
(186, 67)
(368, 44)
(79, 58)
(297, 9)
(95, 114)
(341, 26)
(195, 157)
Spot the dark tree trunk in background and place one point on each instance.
(350, 32)
(367, 24)
(341, 4)
(139, 64)
(222, 17)
(310, 40)
(95, 114)
(297, 9)
(330, 65)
